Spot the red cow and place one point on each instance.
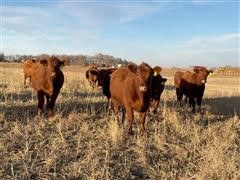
(192, 85)
(47, 79)
(131, 88)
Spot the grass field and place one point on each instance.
(83, 141)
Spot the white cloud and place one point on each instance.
(225, 38)
(202, 50)
(220, 43)
(75, 23)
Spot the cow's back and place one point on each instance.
(189, 77)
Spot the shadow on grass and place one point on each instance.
(213, 110)
(223, 108)
(25, 96)
(19, 107)
(227, 106)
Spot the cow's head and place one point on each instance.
(157, 70)
(54, 65)
(143, 74)
(92, 75)
(202, 73)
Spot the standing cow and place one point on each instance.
(92, 79)
(47, 79)
(103, 79)
(157, 85)
(131, 88)
(192, 85)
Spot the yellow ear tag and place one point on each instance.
(155, 73)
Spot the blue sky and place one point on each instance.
(165, 33)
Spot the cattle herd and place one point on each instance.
(133, 88)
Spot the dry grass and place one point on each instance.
(83, 142)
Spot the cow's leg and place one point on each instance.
(192, 103)
(155, 104)
(123, 115)
(199, 102)
(29, 80)
(142, 116)
(40, 102)
(130, 118)
(177, 92)
(52, 103)
(179, 95)
(48, 100)
(186, 99)
(24, 82)
(116, 109)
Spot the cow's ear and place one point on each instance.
(210, 72)
(33, 60)
(132, 68)
(196, 70)
(157, 70)
(62, 63)
(66, 62)
(43, 61)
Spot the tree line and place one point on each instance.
(82, 60)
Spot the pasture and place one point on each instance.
(83, 141)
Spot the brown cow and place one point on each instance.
(47, 79)
(131, 88)
(27, 69)
(157, 84)
(192, 85)
(92, 79)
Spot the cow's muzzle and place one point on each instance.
(143, 88)
(53, 74)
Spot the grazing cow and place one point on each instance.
(27, 69)
(131, 88)
(47, 79)
(103, 79)
(158, 83)
(92, 79)
(192, 85)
